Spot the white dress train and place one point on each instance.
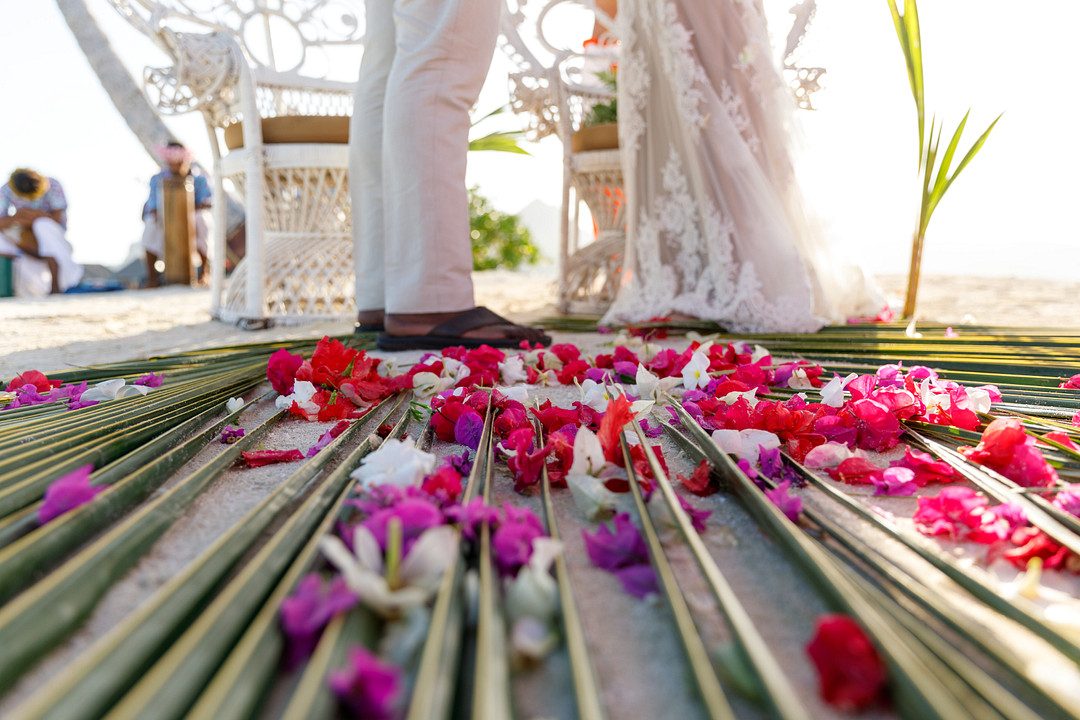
(716, 223)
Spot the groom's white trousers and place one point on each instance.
(424, 64)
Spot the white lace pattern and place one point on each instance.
(716, 227)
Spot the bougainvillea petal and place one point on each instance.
(851, 674)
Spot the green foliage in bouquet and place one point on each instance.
(499, 240)
(604, 112)
(937, 175)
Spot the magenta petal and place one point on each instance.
(67, 493)
(281, 370)
(258, 458)
(638, 580)
(897, 481)
(368, 687)
(613, 550)
(416, 515)
(472, 516)
(697, 517)
(512, 546)
(790, 505)
(306, 612)
(468, 428)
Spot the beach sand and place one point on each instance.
(629, 639)
(63, 331)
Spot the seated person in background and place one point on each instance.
(177, 158)
(33, 219)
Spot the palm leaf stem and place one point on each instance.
(921, 603)
(1062, 527)
(39, 618)
(433, 687)
(712, 694)
(182, 672)
(20, 492)
(781, 696)
(919, 691)
(113, 664)
(127, 413)
(980, 694)
(586, 689)
(491, 672)
(130, 481)
(312, 699)
(1020, 612)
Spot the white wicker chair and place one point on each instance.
(551, 87)
(242, 62)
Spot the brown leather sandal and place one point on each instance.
(450, 333)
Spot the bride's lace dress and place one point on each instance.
(717, 228)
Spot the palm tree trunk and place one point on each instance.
(123, 90)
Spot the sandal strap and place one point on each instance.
(467, 320)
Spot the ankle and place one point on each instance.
(371, 317)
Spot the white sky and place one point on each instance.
(1012, 212)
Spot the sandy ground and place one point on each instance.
(59, 332)
(628, 638)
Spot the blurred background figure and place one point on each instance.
(177, 160)
(33, 222)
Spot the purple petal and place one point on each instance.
(512, 546)
(697, 517)
(306, 612)
(650, 432)
(790, 505)
(613, 550)
(415, 515)
(368, 687)
(461, 463)
(231, 434)
(468, 429)
(67, 493)
(899, 481)
(638, 580)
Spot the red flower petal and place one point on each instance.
(851, 674)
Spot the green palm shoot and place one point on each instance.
(937, 173)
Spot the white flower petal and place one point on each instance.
(588, 453)
(532, 639)
(428, 558)
(367, 551)
(518, 392)
(512, 370)
(829, 455)
(396, 462)
(131, 391)
(590, 495)
(532, 593)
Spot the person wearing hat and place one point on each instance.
(177, 160)
(33, 222)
